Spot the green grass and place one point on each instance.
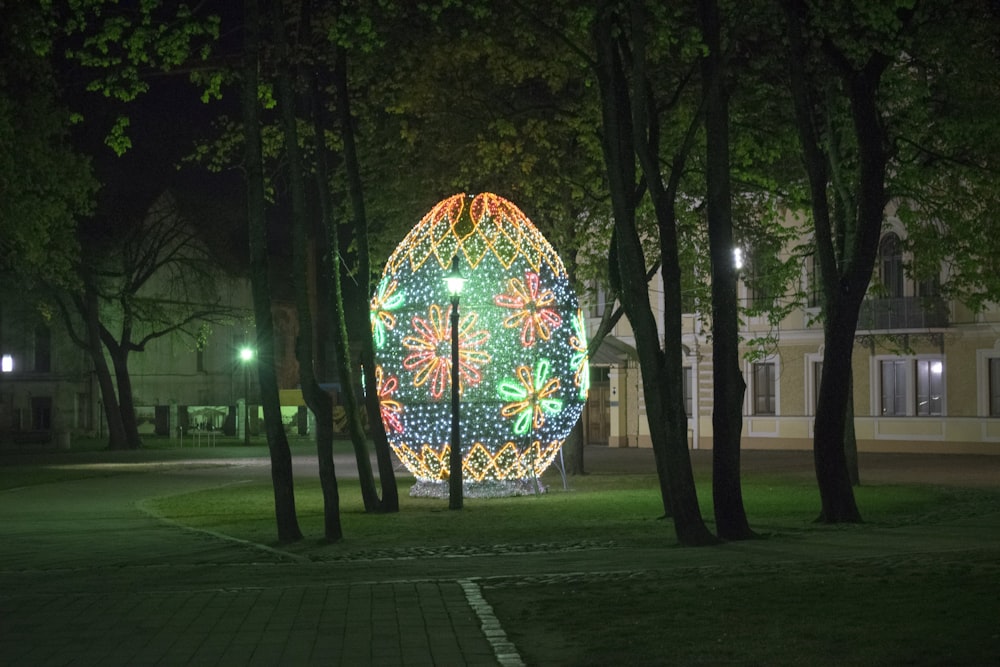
(597, 506)
(791, 598)
(919, 610)
(812, 608)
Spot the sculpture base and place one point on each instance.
(491, 488)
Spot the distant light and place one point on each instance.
(7, 364)
(246, 353)
(738, 258)
(937, 367)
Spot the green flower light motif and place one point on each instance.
(386, 299)
(578, 361)
(530, 397)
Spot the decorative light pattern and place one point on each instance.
(430, 351)
(579, 362)
(532, 306)
(531, 396)
(386, 300)
(523, 372)
(390, 408)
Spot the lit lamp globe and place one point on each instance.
(522, 369)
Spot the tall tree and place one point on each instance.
(728, 386)
(629, 129)
(277, 440)
(148, 278)
(836, 70)
(359, 217)
(46, 184)
(319, 401)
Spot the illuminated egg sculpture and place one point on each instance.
(523, 373)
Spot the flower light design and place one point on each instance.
(387, 299)
(532, 396)
(533, 309)
(391, 409)
(523, 373)
(430, 351)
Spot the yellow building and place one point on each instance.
(926, 372)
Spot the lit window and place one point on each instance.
(912, 387)
(763, 389)
(7, 363)
(930, 386)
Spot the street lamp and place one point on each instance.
(455, 283)
(246, 356)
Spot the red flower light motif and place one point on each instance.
(430, 351)
(390, 409)
(532, 308)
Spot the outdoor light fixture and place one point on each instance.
(7, 363)
(455, 284)
(738, 258)
(246, 356)
(515, 354)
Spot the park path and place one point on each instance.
(87, 578)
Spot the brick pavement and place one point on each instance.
(86, 578)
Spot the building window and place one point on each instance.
(41, 413)
(817, 378)
(686, 391)
(890, 255)
(912, 387)
(893, 388)
(994, 386)
(43, 349)
(199, 361)
(930, 386)
(763, 388)
(599, 298)
(814, 288)
(761, 293)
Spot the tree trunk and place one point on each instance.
(669, 445)
(728, 383)
(836, 494)
(277, 441)
(342, 348)
(845, 278)
(318, 400)
(387, 476)
(123, 382)
(90, 310)
(850, 438)
(574, 449)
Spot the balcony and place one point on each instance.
(909, 312)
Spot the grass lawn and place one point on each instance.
(919, 607)
(917, 584)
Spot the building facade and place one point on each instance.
(926, 371)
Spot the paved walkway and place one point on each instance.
(87, 578)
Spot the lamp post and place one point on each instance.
(455, 283)
(246, 356)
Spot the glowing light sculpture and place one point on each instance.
(522, 369)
